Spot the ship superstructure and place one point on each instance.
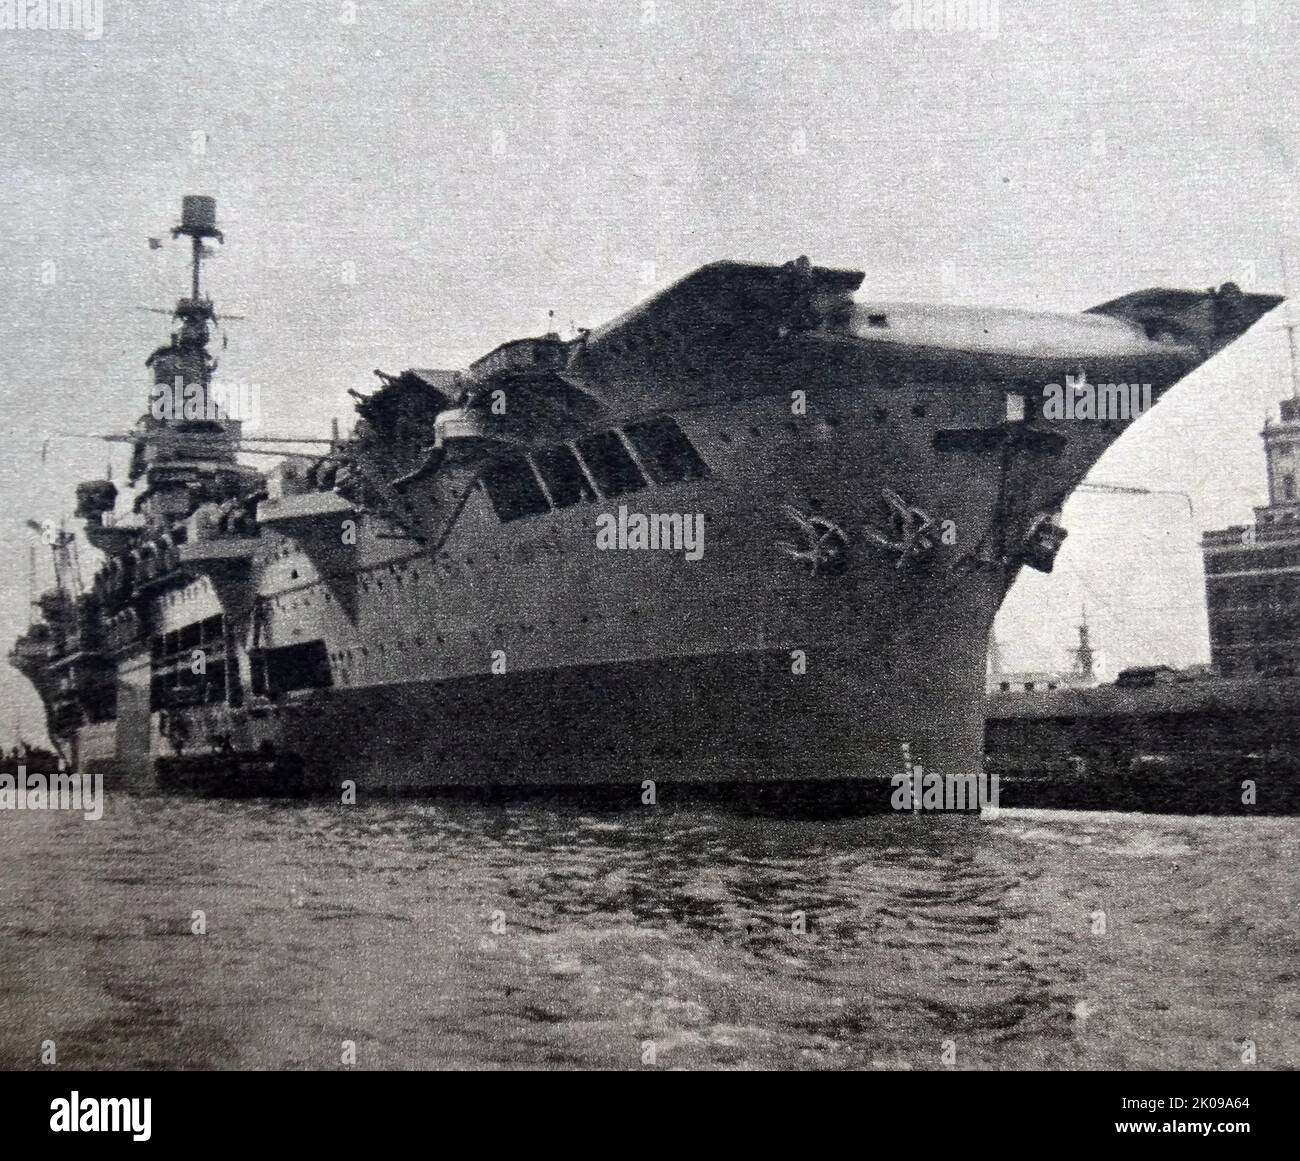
(488, 580)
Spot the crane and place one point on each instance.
(1130, 490)
(63, 547)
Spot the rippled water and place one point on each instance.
(455, 934)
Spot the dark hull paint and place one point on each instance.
(724, 718)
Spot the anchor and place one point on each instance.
(827, 543)
(913, 526)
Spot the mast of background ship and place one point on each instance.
(1084, 655)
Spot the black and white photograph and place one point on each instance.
(650, 535)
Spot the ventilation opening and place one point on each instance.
(173, 656)
(669, 456)
(610, 464)
(563, 476)
(513, 489)
(302, 666)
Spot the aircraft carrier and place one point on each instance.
(754, 530)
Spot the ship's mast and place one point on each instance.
(198, 223)
(184, 447)
(1084, 656)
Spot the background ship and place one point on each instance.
(425, 602)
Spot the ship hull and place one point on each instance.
(721, 718)
(523, 653)
(864, 495)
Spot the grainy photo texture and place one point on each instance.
(646, 535)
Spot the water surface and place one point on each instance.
(439, 934)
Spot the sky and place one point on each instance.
(409, 184)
